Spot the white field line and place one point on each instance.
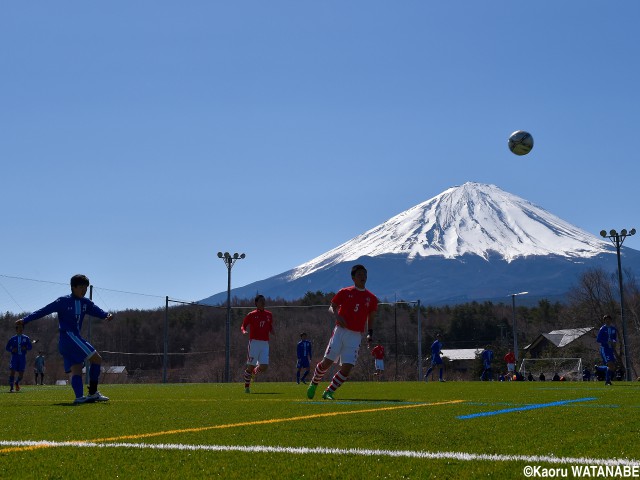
(470, 457)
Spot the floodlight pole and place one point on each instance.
(419, 343)
(229, 260)
(515, 330)
(618, 239)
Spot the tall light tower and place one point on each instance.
(515, 330)
(229, 260)
(618, 239)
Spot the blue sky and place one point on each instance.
(138, 139)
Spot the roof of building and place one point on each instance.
(462, 353)
(560, 338)
(116, 369)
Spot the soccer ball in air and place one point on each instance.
(520, 142)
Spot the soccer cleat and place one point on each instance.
(311, 391)
(247, 390)
(442, 380)
(17, 387)
(328, 395)
(11, 391)
(80, 400)
(608, 383)
(97, 397)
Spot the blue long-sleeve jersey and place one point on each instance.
(304, 348)
(21, 343)
(436, 347)
(71, 311)
(487, 356)
(607, 335)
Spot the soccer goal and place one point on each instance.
(569, 368)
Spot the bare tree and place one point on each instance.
(593, 296)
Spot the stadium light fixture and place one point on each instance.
(618, 239)
(515, 329)
(229, 260)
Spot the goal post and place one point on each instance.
(569, 368)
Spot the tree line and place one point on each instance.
(196, 334)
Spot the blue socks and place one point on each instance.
(77, 385)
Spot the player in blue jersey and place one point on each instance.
(436, 358)
(304, 358)
(38, 369)
(18, 346)
(487, 358)
(607, 337)
(74, 349)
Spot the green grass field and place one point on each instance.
(373, 430)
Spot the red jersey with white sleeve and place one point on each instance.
(259, 323)
(355, 306)
(378, 352)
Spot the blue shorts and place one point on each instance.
(487, 365)
(18, 363)
(74, 349)
(607, 354)
(436, 360)
(303, 362)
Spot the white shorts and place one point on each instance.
(345, 345)
(379, 364)
(258, 352)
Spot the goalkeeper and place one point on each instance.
(352, 307)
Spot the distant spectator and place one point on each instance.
(487, 358)
(304, 358)
(542, 378)
(436, 358)
(378, 354)
(607, 337)
(556, 377)
(510, 360)
(39, 368)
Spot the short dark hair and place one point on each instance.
(258, 297)
(606, 317)
(79, 279)
(355, 269)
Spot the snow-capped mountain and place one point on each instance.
(472, 219)
(471, 242)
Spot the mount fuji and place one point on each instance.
(471, 242)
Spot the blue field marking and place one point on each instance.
(356, 402)
(526, 407)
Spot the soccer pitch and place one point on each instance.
(372, 430)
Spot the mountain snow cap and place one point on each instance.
(473, 218)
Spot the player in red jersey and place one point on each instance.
(259, 324)
(354, 309)
(378, 354)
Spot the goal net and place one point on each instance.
(569, 368)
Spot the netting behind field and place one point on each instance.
(196, 343)
(175, 341)
(19, 295)
(565, 368)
